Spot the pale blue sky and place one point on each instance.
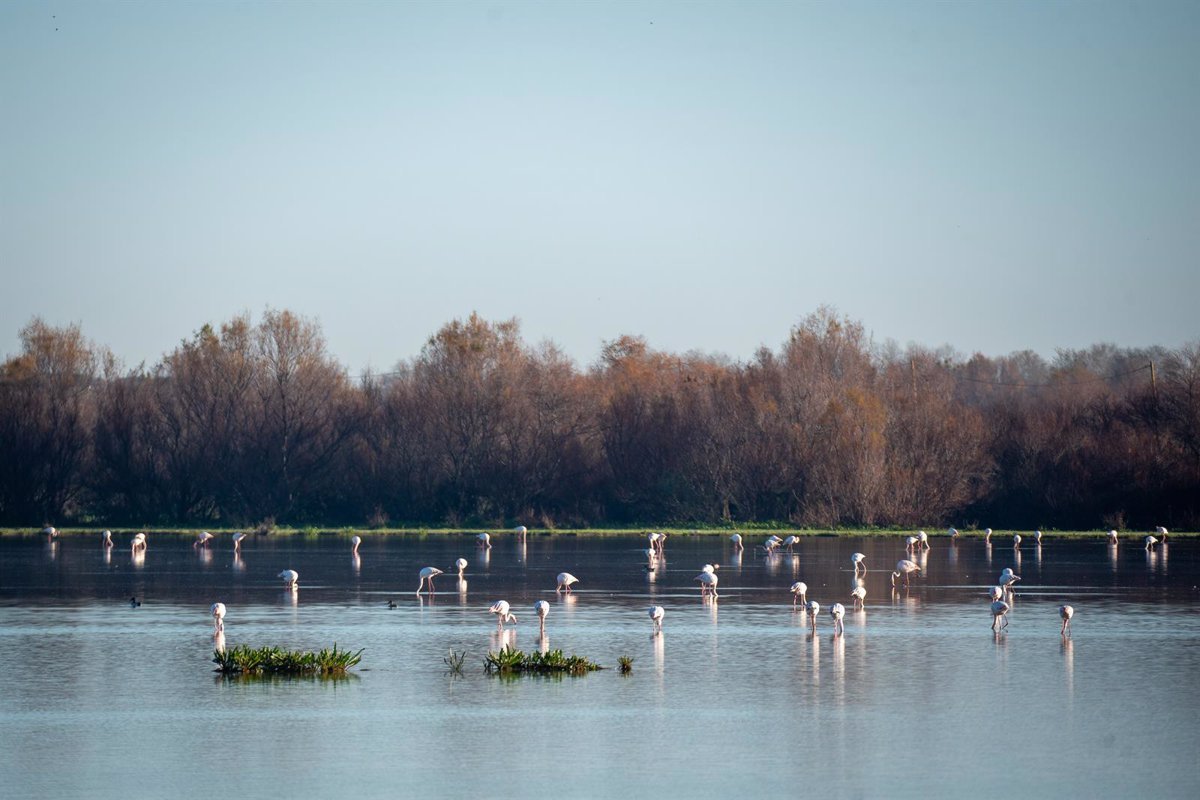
(995, 176)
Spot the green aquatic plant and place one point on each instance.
(246, 660)
(509, 661)
(455, 661)
(625, 664)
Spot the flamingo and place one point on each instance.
(460, 565)
(790, 542)
(1150, 542)
(737, 541)
(218, 615)
(291, 579)
(653, 538)
(799, 592)
(1000, 611)
(813, 608)
(859, 594)
(106, 539)
(708, 583)
(837, 611)
(1008, 578)
(1066, 612)
(923, 539)
(238, 538)
(565, 579)
(484, 540)
(910, 544)
(1163, 533)
(521, 530)
(771, 543)
(1037, 538)
(710, 568)
(138, 543)
(50, 532)
(661, 543)
(1112, 537)
(427, 576)
(541, 608)
(656, 616)
(354, 543)
(857, 560)
(202, 539)
(1016, 540)
(997, 593)
(987, 535)
(904, 567)
(952, 533)
(501, 609)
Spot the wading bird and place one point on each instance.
(541, 608)
(354, 543)
(238, 538)
(484, 540)
(291, 579)
(1150, 542)
(987, 536)
(1113, 538)
(952, 533)
(997, 593)
(799, 592)
(708, 583)
(565, 579)
(857, 560)
(910, 544)
(1163, 533)
(736, 539)
(427, 576)
(906, 568)
(218, 615)
(790, 542)
(1016, 540)
(106, 539)
(771, 543)
(460, 565)
(1008, 578)
(1000, 611)
(520, 531)
(656, 616)
(50, 531)
(923, 539)
(138, 543)
(202, 539)
(813, 608)
(837, 611)
(501, 610)
(1066, 612)
(1037, 538)
(859, 595)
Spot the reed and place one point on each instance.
(246, 660)
(455, 661)
(509, 662)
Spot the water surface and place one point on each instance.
(917, 699)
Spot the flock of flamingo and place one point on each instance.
(1001, 595)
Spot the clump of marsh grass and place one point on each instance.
(509, 662)
(625, 664)
(455, 661)
(246, 660)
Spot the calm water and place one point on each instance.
(917, 699)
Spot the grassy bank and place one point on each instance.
(752, 535)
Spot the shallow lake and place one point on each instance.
(734, 698)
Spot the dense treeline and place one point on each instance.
(246, 423)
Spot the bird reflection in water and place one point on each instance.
(291, 597)
(108, 555)
(238, 564)
(735, 559)
(356, 563)
(138, 558)
(506, 637)
(1017, 558)
(1067, 647)
(484, 556)
(656, 640)
(461, 586)
(543, 643)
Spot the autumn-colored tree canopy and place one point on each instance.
(245, 422)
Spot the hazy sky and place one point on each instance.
(995, 176)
